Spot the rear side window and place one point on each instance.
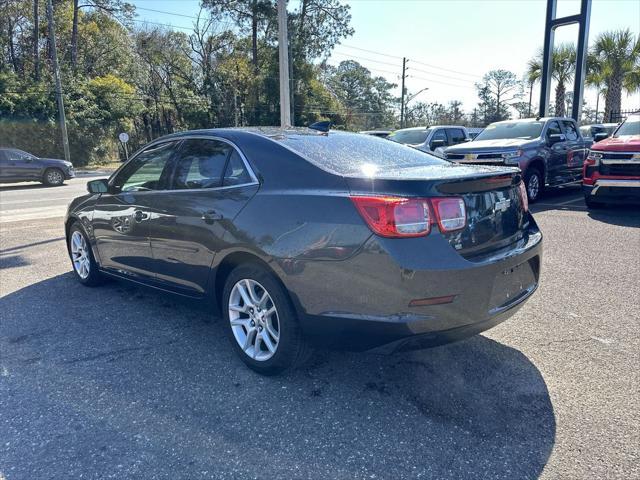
(570, 130)
(236, 172)
(201, 164)
(351, 154)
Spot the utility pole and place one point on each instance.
(283, 57)
(404, 70)
(36, 39)
(56, 74)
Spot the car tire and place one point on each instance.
(592, 205)
(267, 343)
(534, 183)
(85, 267)
(53, 177)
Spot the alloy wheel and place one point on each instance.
(254, 319)
(533, 188)
(80, 255)
(54, 177)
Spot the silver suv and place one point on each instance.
(431, 139)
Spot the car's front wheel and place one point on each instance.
(534, 183)
(84, 264)
(53, 177)
(261, 322)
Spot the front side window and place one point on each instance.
(438, 135)
(147, 171)
(19, 156)
(201, 164)
(570, 130)
(553, 129)
(457, 136)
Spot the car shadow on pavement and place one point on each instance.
(125, 379)
(622, 215)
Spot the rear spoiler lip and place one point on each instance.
(431, 187)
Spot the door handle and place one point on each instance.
(211, 216)
(139, 216)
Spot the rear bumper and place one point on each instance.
(365, 302)
(614, 190)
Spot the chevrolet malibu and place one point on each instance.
(299, 237)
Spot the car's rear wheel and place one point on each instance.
(534, 183)
(84, 264)
(261, 322)
(53, 177)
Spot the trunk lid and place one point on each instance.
(496, 216)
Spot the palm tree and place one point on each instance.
(618, 62)
(563, 66)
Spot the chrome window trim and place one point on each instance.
(179, 140)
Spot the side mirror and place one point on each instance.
(467, 140)
(600, 136)
(98, 186)
(556, 138)
(437, 144)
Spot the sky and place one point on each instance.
(449, 44)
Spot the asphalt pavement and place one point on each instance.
(124, 382)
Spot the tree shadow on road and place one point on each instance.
(121, 378)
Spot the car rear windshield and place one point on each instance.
(353, 155)
(630, 127)
(523, 130)
(409, 137)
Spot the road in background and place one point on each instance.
(31, 201)
(125, 382)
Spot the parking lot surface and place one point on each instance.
(124, 382)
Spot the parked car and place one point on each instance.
(377, 133)
(301, 236)
(19, 166)
(611, 172)
(431, 139)
(549, 151)
(598, 131)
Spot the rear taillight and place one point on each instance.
(398, 217)
(395, 216)
(450, 213)
(524, 200)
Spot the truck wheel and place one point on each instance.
(534, 183)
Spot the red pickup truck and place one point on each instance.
(611, 172)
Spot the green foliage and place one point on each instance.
(496, 92)
(616, 57)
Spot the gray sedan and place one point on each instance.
(299, 236)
